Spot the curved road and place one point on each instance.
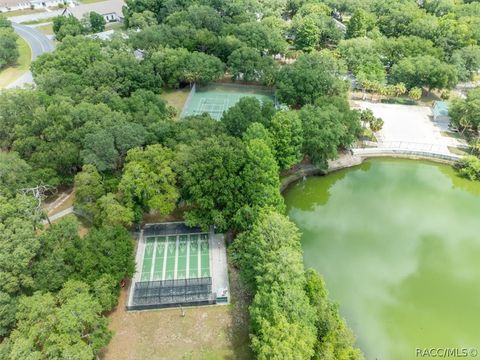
(37, 41)
(39, 44)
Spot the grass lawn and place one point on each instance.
(114, 26)
(176, 98)
(39, 21)
(457, 151)
(23, 12)
(206, 333)
(45, 29)
(12, 73)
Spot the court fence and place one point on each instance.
(172, 293)
(192, 93)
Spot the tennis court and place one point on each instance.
(176, 257)
(217, 98)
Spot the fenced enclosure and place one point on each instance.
(169, 293)
(215, 99)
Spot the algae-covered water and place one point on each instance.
(398, 243)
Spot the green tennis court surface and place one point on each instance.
(176, 257)
(217, 98)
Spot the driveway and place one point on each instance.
(411, 127)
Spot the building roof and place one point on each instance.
(10, 3)
(103, 8)
(440, 108)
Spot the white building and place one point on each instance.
(111, 10)
(12, 5)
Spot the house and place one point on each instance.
(440, 111)
(111, 10)
(12, 5)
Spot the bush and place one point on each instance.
(469, 167)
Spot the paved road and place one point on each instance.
(37, 41)
(39, 44)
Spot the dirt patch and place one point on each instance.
(204, 333)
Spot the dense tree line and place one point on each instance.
(55, 285)
(8, 43)
(291, 315)
(91, 22)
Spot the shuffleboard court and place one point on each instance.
(204, 256)
(176, 257)
(217, 98)
(193, 268)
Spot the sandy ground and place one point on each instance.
(204, 333)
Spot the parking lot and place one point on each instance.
(411, 126)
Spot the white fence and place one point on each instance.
(406, 148)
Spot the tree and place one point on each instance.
(210, 183)
(148, 181)
(360, 24)
(334, 339)
(88, 189)
(287, 135)
(8, 47)
(261, 183)
(112, 213)
(270, 259)
(18, 247)
(469, 167)
(467, 61)
(392, 50)
(105, 250)
(266, 40)
(258, 131)
(67, 25)
(327, 127)
(142, 20)
(363, 59)
(307, 34)
(465, 113)
(96, 22)
(245, 112)
(247, 64)
(15, 173)
(311, 76)
(177, 66)
(68, 325)
(424, 71)
(52, 265)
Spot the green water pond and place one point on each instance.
(398, 243)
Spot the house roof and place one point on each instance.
(103, 8)
(10, 3)
(440, 108)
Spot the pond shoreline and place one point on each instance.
(344, 161)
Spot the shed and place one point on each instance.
(440, 111)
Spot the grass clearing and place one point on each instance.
(12, 73)
(457, 151)
(114, 26)
(206, 332)
(176, 98)
(23, 12)
(46, 29)
(39, 21)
